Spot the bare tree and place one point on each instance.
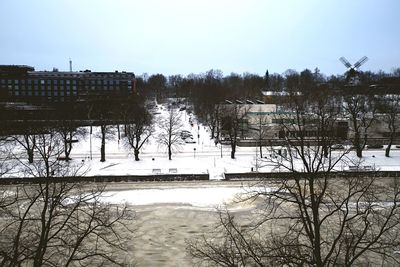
(139, 131)
(107, 132)
(69, 134)
(213, 120)
(170, 132)
(361, 110)
(233, 248)
(390, 106)
(59, 223)
(28, 142)
(6, 164)
(313, 217)
(234, 123)
(260, 131)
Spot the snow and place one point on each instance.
(199, 158)
(203, 197)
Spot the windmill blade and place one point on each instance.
(345, 62)
(360, 62)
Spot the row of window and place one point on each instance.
(65, 82)
(59, 90)
(62, 87)
(43, 93)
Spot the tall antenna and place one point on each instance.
(70, 65)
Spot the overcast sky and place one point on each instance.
(193, 36)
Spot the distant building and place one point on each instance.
(275, 97)
(22, 83)
(273, 124)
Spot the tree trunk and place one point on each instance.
(67, 150)
(387, 151)
(103, 144)
(136, 155)
(357, 144)
(233, 146)
(119, 134)
(30, 155)
(169, 153)
(359, 151)
(212, 131)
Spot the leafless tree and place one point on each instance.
(6, 165)
(213, 121)
(361, 109)
(233, 123)
(69, 132)
(28, 142)
(59, 223)
(313, 217)
(260, 131)
(139, 131)
(107, 132)
(170, 128)
(389, 105)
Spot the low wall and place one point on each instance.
(106, 179)
(288, 175)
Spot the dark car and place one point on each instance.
(337, 146)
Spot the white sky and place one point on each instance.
(193, 36)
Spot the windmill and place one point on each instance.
(352, 70)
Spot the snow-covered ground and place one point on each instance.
(201, 157)
(211, 196)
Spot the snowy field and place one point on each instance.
(200, 157)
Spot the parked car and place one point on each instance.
(337, 146)
(186, 134)
(189, 140)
